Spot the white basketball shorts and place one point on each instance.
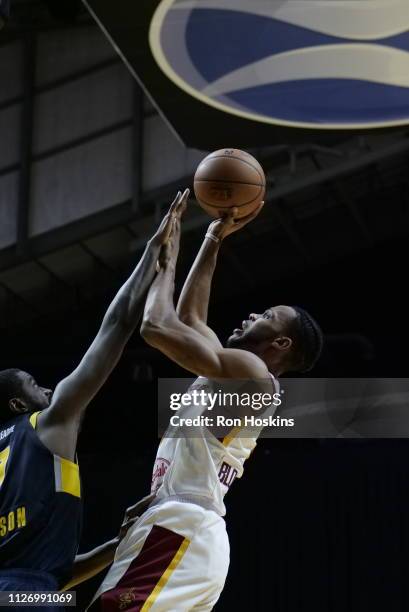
(173, 559)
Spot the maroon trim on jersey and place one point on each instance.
(142, 576)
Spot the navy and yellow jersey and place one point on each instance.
(40, 503)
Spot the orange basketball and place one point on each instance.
(229, 178)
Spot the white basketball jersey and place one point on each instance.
(200, 466)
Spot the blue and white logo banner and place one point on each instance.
(321, 64)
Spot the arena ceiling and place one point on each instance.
(322, 204)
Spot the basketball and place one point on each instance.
(229, 178)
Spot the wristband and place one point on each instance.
(212, 237)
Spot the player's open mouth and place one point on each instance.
(237, 331)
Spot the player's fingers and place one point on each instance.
(126, 525)
(129, 521)
(174, 205)
(229, 218)
(174, 211)
(141, 505)
(252, 215)
(175, 238)
(181, 207)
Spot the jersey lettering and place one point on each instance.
(16, 519)
(4, 456)
(6, 432)
(227, 474)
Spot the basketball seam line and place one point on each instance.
(227, 207)
(231, 157)
(227, 181)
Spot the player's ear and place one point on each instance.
(17, 405)
(282, 343)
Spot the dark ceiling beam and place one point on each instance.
(282, 216)
(123, 214)
(11, 102)
(129, 231)
(33, 15)
(77, 142)
(341, 169)
(98, 260)
(239, 266)
(17, 296)
(137, 145)
(67, 235)
(77, 75)
(59, 290)
(344, 199)
(58, 279)
(26, 142)
(9, 169)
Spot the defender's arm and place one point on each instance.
(58, 425)
(91, 563)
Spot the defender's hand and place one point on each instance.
(133, 513)
(228, 224)
(163, 232)
(170, 249)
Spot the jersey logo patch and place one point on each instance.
(159, 470)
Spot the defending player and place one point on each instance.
(175, 558)
(40, 493)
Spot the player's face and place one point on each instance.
(260, 329)
(34, 397)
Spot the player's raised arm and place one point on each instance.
(58, 424)
(162, 329)
(193, 303)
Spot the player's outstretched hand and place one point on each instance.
(229, 224)
(164, 230)
(170, 249)
(133, 513)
